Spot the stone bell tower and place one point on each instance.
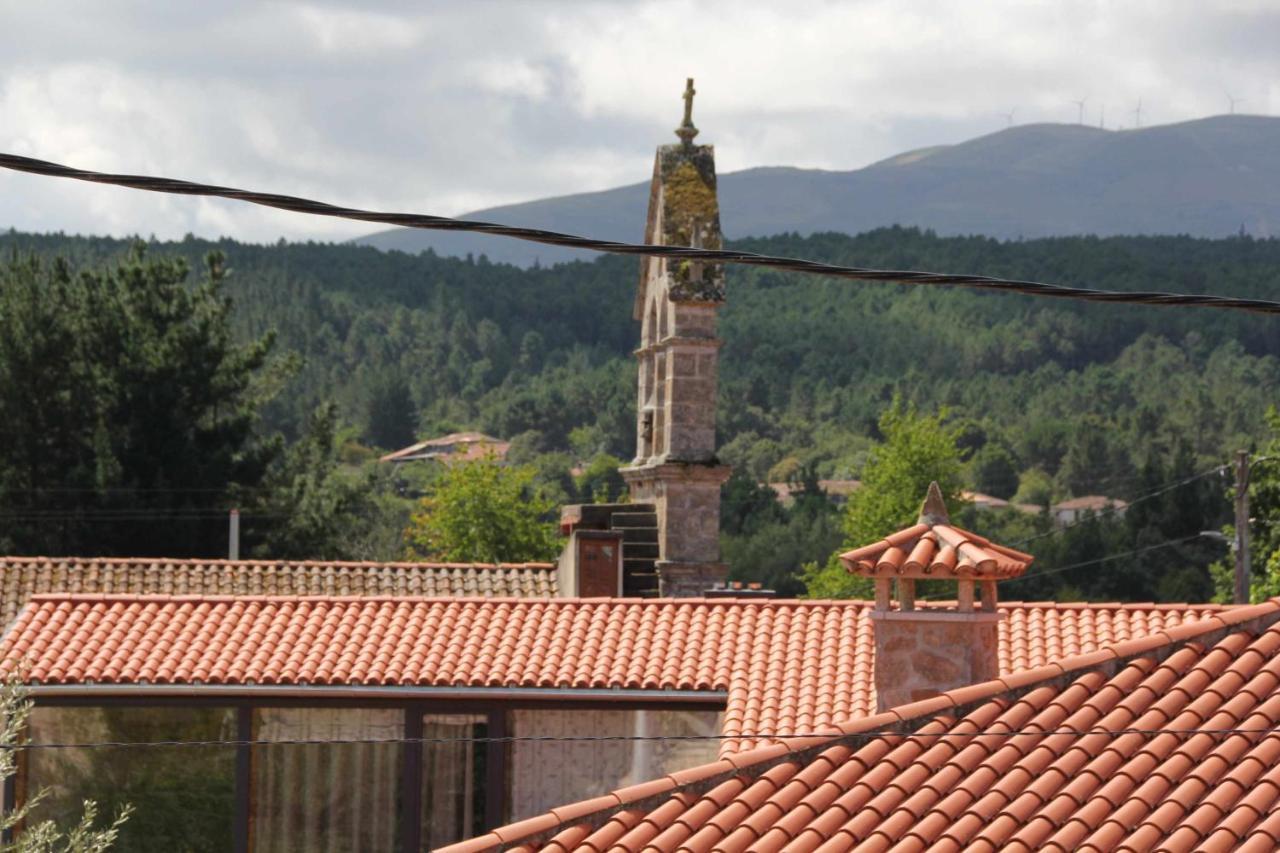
(675, 468)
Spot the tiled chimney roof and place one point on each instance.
(935, 549)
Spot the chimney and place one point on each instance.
(675, 471)
(921, 650)
(590, 565)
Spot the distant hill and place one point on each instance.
(1205, 178)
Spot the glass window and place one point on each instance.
(545, 774)
(183, 796)
(326, 797)
(453, 778)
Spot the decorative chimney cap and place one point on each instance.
(935, 549)
(934, 508)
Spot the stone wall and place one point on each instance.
(922, 653)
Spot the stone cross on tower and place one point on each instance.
(675, 467)
(686, 131)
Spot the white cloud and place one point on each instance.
(447, 107)
(356, 31)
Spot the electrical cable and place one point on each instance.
(834, 735)
(1167, 543)
(1081, 565)
(129, 515)
(22, 490)
(556, 238)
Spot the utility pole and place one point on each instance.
(233, 538)
(1242, 527)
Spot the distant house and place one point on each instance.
(1069, 512)
(455, 447)
(983, 501)
(837, 490)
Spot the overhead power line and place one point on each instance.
(1167, 543)
(129, 515)
(1002, 732)
(756, 736)
(1095, 561)
(556, 238)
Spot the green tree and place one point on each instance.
(44, 836)
(994, 471)
(309, 507)
(1264, 532)
(763, 541)
(1034, 487)
(392, 418)
(482, 511)
(599, 481)
(917, 449)
(746, 505)
(124, 398)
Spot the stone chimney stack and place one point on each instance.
(922, 651)
(675, 468)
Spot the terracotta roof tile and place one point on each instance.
(1083, 760)
(23, 577)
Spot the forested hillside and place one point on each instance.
(1057, 398)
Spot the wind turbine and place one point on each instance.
(1009, 117)
(1137, 114)
(1232, 100)
(1080, 106)
(1102, 117)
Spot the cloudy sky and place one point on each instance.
(448, 107)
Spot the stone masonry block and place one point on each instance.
(684, 364)
(923, 653)
(694, 321)
(679, 580)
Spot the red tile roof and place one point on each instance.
(23, 577)
(786, 666)
(1168, 742)
(454, 447)
(1096, 503)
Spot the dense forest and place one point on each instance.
(1051, 398)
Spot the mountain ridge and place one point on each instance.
(1208, 177)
